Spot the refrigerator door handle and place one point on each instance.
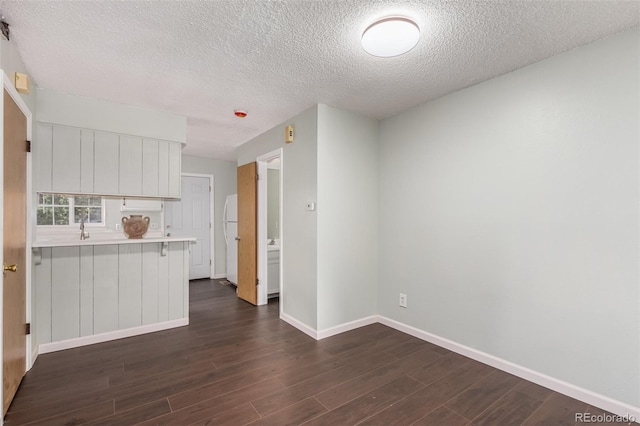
(224, 222)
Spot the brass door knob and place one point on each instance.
(11, 268)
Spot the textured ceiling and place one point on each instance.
(203, 59)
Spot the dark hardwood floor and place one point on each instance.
(237, 364)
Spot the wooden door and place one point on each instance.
(247, 233)
(14, 246)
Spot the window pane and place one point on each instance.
(95, 201)
(82, 201)
(78, 212)
(95, 215)
(45, 216)
(60, 200)
(45, 199)
(61, 215)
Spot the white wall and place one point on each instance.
(509, 216)
(10, 63)
(347, 217)
(225, 183)
(299, 233)
(92, 113)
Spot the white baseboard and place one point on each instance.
(299, 325)
(218, 276)
(111, 335)
(347, 326)
(591, 398)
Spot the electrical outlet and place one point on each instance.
(118, 226)
(154, 225)
(403, 300)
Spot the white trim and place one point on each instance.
(565, 388)
(219, 276)
(347, 326)
(299, 325)
(261, 235)
(111, 335)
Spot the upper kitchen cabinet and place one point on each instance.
(84, 161)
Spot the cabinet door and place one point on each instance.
(130, 165)
(163, 168)
(86, 161)
(150, 167)
(42, 156)
(174, 169)
(106, 163)
(66, 159)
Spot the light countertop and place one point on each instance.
(101, 240)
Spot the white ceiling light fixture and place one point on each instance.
(390, 37)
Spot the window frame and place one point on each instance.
(72, 205)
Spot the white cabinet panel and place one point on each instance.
(130, 165)
(66, 159)
(42, 318)
(86, 161)
(163, 288)
(106, 173)
(42, 151)
(86, 290)
(65, 293)
(176, 254)
(150, 167)
(163, 167)
(150, 279)
(175, 163)
(105, 288)
(130, 286)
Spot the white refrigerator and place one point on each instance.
(230, 225)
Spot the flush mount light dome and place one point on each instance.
(390, 37)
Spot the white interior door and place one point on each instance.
(190, 217)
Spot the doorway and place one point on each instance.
(192, 216)
(270, 241)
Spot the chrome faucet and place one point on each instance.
(83, 235)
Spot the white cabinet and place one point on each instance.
(130, 165)
(150, 167)
(83, 161)
(105, 164)
(65, 162)
(273, 271)
(83, 291)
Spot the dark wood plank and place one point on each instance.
(444, 417)
(295, 414)
(74, 417)
(360, 385)
(482, 394)
(512, 409)
(369, 404)
(426, 400)
(558, 410)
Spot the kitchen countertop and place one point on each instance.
(100, 241)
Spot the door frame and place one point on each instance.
(212, 233)
(31, 354)
(262, 227)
